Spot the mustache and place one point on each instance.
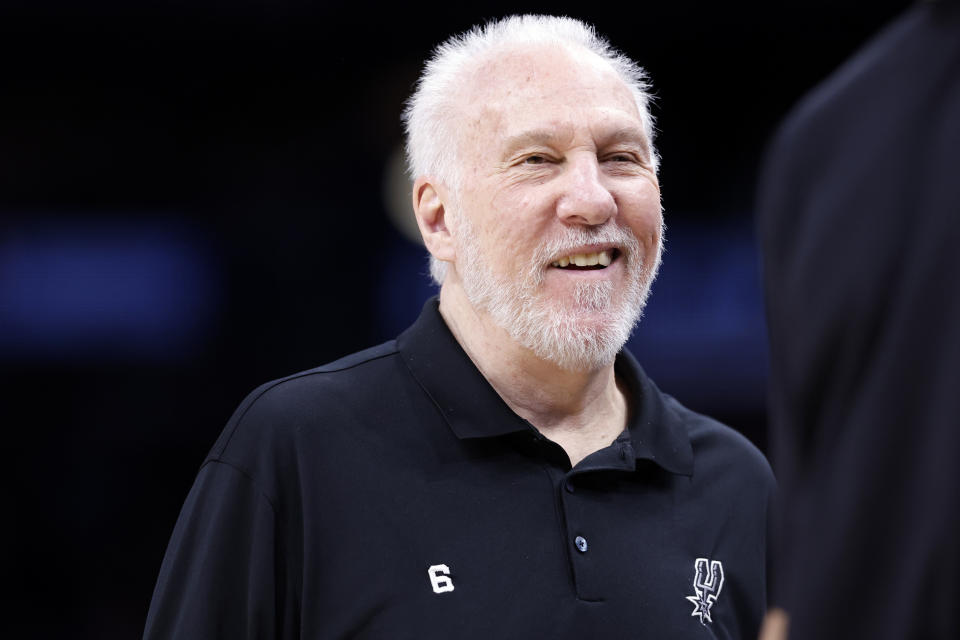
(574, 238)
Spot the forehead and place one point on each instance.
(545, 86)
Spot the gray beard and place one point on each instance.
(568, 335)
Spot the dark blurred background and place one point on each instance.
(196, 197)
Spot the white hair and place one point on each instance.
(431, 112)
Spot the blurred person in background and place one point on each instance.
(859, 222)
(503, 468)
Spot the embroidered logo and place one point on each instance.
(440, 578)
(707, 583)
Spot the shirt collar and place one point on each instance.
(473, 409)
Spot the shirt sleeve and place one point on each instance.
(219, 577)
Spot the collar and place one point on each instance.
(473, 409)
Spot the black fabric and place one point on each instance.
(332, 492)
(859, 219)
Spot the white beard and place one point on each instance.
(579, 335)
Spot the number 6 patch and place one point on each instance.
(440, 578)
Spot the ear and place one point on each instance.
(429, 206)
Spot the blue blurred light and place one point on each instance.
(703, 334)
(404, 286)
(103, 290)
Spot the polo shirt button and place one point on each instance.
(581, 543)
(568, 485)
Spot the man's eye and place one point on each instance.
(534, 159)
(621, 157)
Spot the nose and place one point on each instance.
(585, 200)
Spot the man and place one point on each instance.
(858, 219)
(501, 469)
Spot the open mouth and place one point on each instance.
(587, 261)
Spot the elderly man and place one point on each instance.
(502, 469)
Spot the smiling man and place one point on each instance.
(503, 468)
(549, 220)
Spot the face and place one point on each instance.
(558, 228)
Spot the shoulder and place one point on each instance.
(911, 51)
(272, 421)
(720, 451)
(295, 392)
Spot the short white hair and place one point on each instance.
(431, 112)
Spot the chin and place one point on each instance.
(574, 337)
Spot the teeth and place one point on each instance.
(602, 258)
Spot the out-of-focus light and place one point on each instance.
(396, 196)
(103, 290)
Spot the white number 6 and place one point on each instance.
(440, 578)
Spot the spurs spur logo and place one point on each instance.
(707, 583)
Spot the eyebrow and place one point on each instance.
(628, 135)
(534, 137)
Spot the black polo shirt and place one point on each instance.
(393, 494)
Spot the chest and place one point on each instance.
(507, 546)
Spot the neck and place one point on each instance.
(582, 411)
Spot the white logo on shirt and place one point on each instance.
(707, 583)
(440, 578)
